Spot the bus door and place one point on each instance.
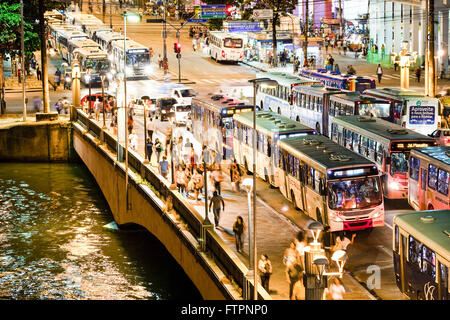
(443, 282)
(423, 189)
(403, 254)
(302, 175)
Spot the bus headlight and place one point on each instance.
(394, 185)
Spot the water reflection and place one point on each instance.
(53, 246)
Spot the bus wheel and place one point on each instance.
(318, 128)
(293, 200)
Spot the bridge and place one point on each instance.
(213, 267)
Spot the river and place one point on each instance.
(53, 244)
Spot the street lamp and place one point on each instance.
(76, 75)
(264, 82)
(247, 185)
(87, 78)
(406, 58)
(103, 77)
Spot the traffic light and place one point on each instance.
(229, 9)
(177, 47)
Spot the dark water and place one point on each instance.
(53, 245)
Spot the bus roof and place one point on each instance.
(318, 90)
(441, 154)
(130, 45)
(355, 96)
(378, 127)
(92, 53)
(431, 228)
(271, 123)
(334, 157)
(84, 43)
(218, 102)
(285, 79)
(108, 36)
(225, 34)
(318, 74)
(395, 94)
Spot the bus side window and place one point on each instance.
(320, 106)
(311, 180)
(269, 147)
(432, 177)
(404, 109)
(363, 146)
(355, 142)
(428, 262)
(348, 139)
(443, 281)
(372, 153)
(415, 252)
(317, 183)
(414, 169)
(379, 153)
(396, 239)
(443, 179)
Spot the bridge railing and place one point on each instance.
(225, 258)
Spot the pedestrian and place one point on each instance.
(218, 178)
(37, 104)
(335, 291)
(194, 44)
(132, 139)
(38, 72)
(342, 242)
(158, 149)
(181, 180)
(235, 176)
(379, 73)
(168, 134)
(215, 203)
(331, 61)
(326, 45)
(187, 174)
(265, 270)
(396, 62)
(85, 106)
(336, 69)
(58, 106)
(57, 77)
(150, 128)
(300, 245)
(66, 105)
(418, 72)
(149, 149)
(163, 167)
(130, 123)
(293, 273)
(197, 182)
(238, 229)
(67, 81)
(97, 106)
(299, 290)
(290, 254)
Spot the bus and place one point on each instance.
(280, 99)
(212, 121)
(137, 58)
(316, 106)
(411, 109)
(105, 40)
(63, 38)
(79, 44)
(331, 184)
(97, 61)
(93, 30)
(225, 46)
(270, 127)
(340, 81)
(383, 142)
(429, 175)
(421, 254)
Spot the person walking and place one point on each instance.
(418, 72)
(215, 203)
(37, 104)
(238, 229)
(293, 273)
(163, 167)
(335, 291)
(57, 77)
(150, 128)
(181, 180)
(265, 270)
(158, 149)
(58, 106)
(38, 72)
(235, 176)
(299, 290)
(336, 68)
(342, 242)
(149, 149)
(130, 123)
(197, 183)
(290, 254)
(218, 178)
(66, 105)
(379, 73)
(97, 106)
(132, 138)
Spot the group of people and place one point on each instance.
(62, 106)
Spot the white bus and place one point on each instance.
(212, 121)
(429, 176)
(411, 109)
(79, 44)
(383, 142)
(93, 30)
(137, 58)
(421, 254)
(97, 61)
(338, 188)
(225, 46)
(270, 127)
(63, 38)
(105, 39)
(280, 98)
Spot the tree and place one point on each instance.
(280, 8)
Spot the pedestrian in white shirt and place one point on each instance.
(132, 139)
(335, 291)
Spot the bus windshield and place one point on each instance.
(232, 43)
(98, 64)
(377, 110)
(399, 163)
(351, 194)
(139, 59)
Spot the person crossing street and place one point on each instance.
(215, 203)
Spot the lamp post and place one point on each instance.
(316, 264)
(103, 77)
(247, 185)
(22, 57)
(266, 82)
(88, 79)
(145, 137)
(439, 56)
(406, 58)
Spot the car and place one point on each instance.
(93, 97)
(442, 136)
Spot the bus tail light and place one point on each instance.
(223, 54)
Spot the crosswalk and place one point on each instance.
(392, 76)
(203, 81)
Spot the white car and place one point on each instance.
(442, 136)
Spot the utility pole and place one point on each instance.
(165, 62)
(426, 50)
(340, 18)
(431, 64)
(103, 10)
(110, 14)
(44, 68)
(24, 75)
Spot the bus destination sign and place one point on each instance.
(402, 146)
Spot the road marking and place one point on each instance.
(355, 282)
(280, 216)
(386, 250)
